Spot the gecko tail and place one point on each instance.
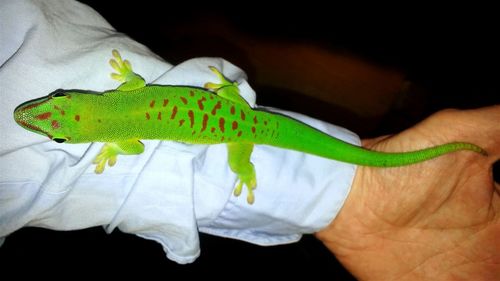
(383, 159)
(301, 137)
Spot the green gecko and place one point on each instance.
(211, 115)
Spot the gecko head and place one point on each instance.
(51, 116)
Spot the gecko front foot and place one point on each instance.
(108, 155)
(124, 73)
(110, 151)
(123, 67)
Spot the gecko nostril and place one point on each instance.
(22, 116)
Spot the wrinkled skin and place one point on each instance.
(437, 220)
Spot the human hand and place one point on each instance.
(437, 220)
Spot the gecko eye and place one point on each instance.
(58, 93)
(59, 140)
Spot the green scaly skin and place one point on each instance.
(210, 115)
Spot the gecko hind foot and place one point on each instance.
(223, 80)
(251, 183)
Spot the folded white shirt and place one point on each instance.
(169, 192)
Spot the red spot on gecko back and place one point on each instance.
(55, 125)
(44, 116)
(174, 112)
(191, 118)
(234, 125)
(204, 123)
(147, 115)
(200, 103)
(221, 124)
(232, 110)
(184, 100)
(253, 130)
(216, 107)
(212, 129)
(152, 104)
(255, 121)
(77, 118)
(191, 93)
(181, 122)
(239, 133)
(159, 115)
(243, 115)
(165, 102)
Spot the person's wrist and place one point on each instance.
(344, 237)
(364, 243)
(343, 234)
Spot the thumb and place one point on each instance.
(484, 128)
(478, 126)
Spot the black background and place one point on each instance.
(450, 52)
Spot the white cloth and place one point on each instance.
(172, 190)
